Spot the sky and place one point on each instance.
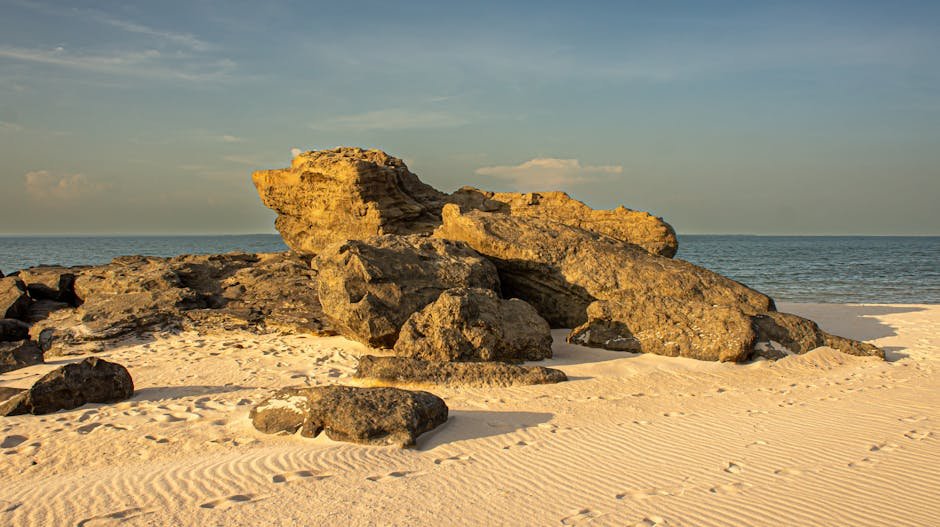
(752, 117)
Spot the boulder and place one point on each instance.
(345, 193)
(407, 370)
(54, 283)
(472, 324)
(14, 301)
(616, 295)
(373, 416)
(12, 329)
(19, 354)
(368, 288)
(623, 224)
(92, 380)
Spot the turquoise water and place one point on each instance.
(839, 269)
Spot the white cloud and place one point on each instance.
(391, 119)
(549, 173)
(42, 184)
(232, 139)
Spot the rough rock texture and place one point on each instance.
(92, 380)
(619, 296)
(631, 226)
(368, 288)
(408, 370)
(12, 329)
(330, 196)
(51, 283)
(19, 354)
(470, 324)
(14, 301)
(374, 416)
(134, 294)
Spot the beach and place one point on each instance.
(822, 438)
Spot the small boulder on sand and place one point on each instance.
(92, 380)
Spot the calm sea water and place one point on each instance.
(838, 269)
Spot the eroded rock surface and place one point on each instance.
(618, 296)
(408, 370)
(16, 354)
(627, 225)
(373, 416)
(346, 193)
(14, 301)
(471, 324)
(368, 288)
(92, 380)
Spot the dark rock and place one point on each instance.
(800, 335)
(92, 380)
(14, 301)
(368, 288)
(407, 370)
(374, 416)
(51, 283)
(475, 325)
(12, 329)
(346, 193)
(19, 354)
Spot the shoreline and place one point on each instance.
(630, 439)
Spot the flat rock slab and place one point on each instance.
(92, 380)
(371, 416)
(476, 374)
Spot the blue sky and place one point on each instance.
(723, 117)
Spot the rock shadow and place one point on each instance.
(163, 393)
(474, 424)
(857, 322)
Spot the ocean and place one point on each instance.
(834, 269)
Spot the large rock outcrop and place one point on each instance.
(92, 380)
(368, 288)
(619, 296)
(408, 370)
(14, 301)
(372, 416)
(627, 225)
(469, 324)
(345, 193)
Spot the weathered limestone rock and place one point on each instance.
(471, 324)
(345, 193)
(92, 380)
(19, 354)
(623, 224)
(407, 370)
(14, 301)
(54, 283)
(368, 288)
(373, 416)
(619, 296)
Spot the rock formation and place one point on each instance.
(92, 380)
(346, 193)
(623, 224)
(14, 301)
(407, 370)
(373, 416)
(16, 354)
(619, 296)
(368, 288)
(475, 325)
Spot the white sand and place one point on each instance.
(820, 439)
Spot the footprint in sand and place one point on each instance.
(643, 494)
(863, 463)
(391, 475)
(177, 417)
(114, 517)
(734, 468)
(460, 459)
(729, 488)
(300, 474)
(580, 517)
(157, 439)
(13, 441)
(87, 429)
(230, 501)
(759, 442)
(918, 435)
(9, 506)
(674, 414)
(912, 419)
(650, 521)
(883, 447)
(517, 444)
(788, 472)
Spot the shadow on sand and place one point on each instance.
(163, 393)
(473, 424)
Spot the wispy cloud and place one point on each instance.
(45, 185)
(391, 119)
(549, 173)
(232, 139)
(10, 127)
